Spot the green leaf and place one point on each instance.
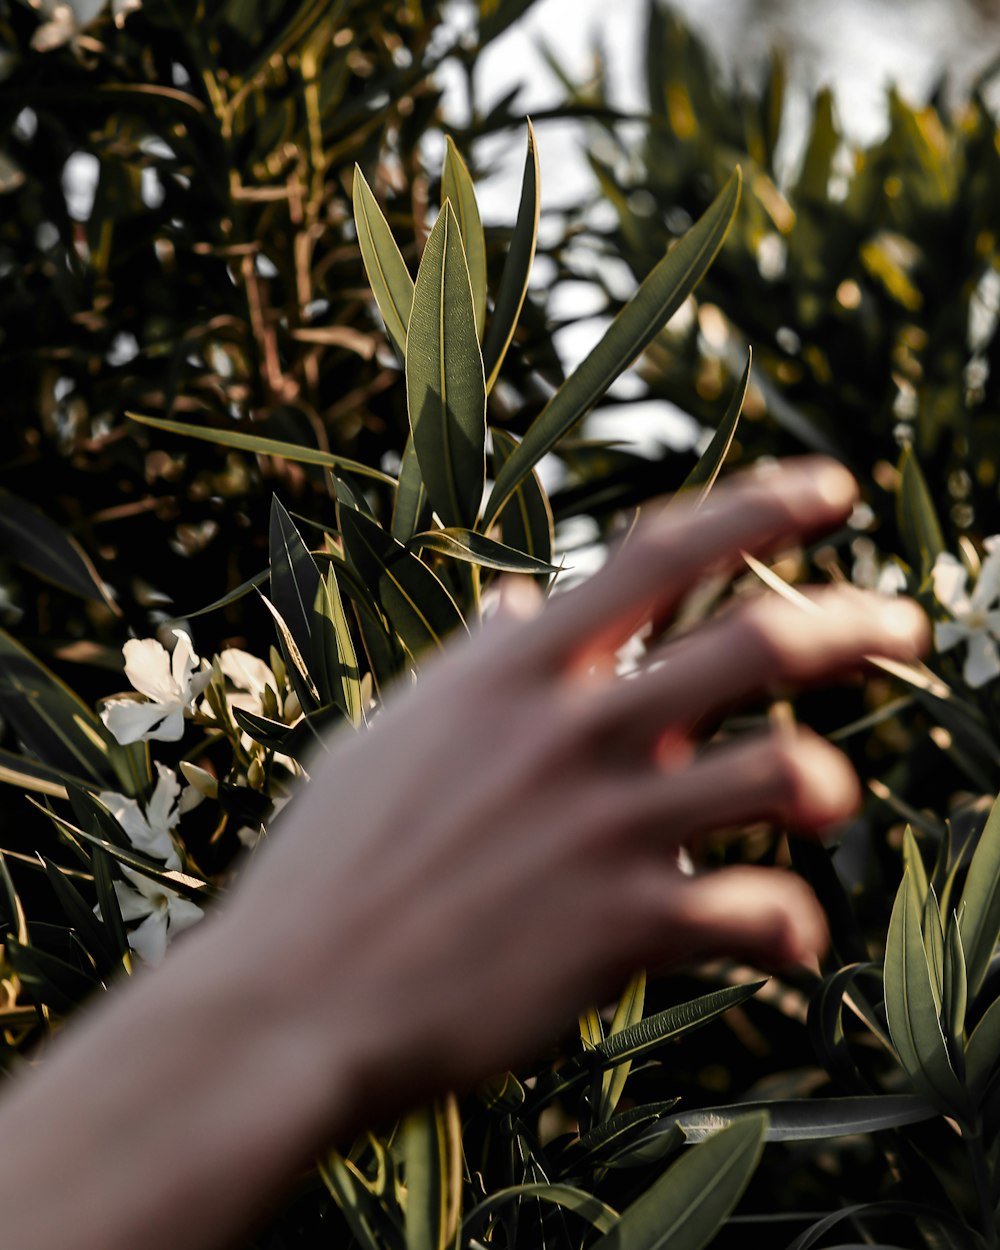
(432, 1153)
(13, 913)
(910, 1008)
(982, 1051)
(914, 861)
(445, 387)
(954, 990)
(337, 675)
(526, 523)
(365, 1215)
(34, 540)
(52, 722)
(457, 187)
(627, 1015)
(473, 548)
(979, 907)
(916, 516)
(610, 1140)
(688, 1204)
(263, 446)
(410, 510)
(298, 670)
(91, 932)
(658, 298)
(941, 1223)
(388, 275)
(419, 608)
(513, 286)
(294, 577)
(27, 774)
(651, 1033)
(107, 900)
(50, 981)
(598, 1214)
(804, 1119)
(932, 928)
(702, 476)
(231, 596)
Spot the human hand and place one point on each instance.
(501, 848)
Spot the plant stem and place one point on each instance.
(974, 1146)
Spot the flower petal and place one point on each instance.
(150, 939)
(161, 810)
(948, 634)
(245, 671)
(982, 663)
(130, 721)
(183, 914)
(949, 578)
(183, 663)
(132, 905)
(987, 589)
(147, 666)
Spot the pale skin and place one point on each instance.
(497, 852)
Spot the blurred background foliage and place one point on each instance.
(178, 240)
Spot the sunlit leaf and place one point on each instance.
(432, 1154)
(445, 387)
(457, 187)
(473, 548)
(388, 275)
(658, 298)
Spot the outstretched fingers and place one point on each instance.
(757, 511)
(762, 644)
(789, 776)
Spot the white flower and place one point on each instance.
(976, 617)
(162, 912)
(151, 831)
(869, 573)
(171, 682)
(250, 676)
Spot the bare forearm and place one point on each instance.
(173, 1114)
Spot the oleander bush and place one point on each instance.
(275, 403)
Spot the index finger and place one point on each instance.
(758, 511)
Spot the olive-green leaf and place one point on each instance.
(954, 988)
(52, 722)
(410, 510)
(388, 275)
(913, 860)
(910, 1008)
(982, 1051)
(432, 1154)
(261, 446)
(294, 577)
(334, 659)
(628, 1013)
(702, 476)
(526, 523)
(916, 515)
(639, 1039)
(475, 548)
(689, 1203)
(30, 538)
(445, 387)
(418, 607)
(598, 1214)
(513, 286)
(458, 188)
(365, 1215)
(662, 292)
(979, 907)
(609, 1141)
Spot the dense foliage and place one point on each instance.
(219, 444)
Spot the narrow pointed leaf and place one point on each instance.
(415, 602)
(916, 515)
(263, 446)
(432, 1153)
(627, 1015)
(954, 989)
(910, 1008)
(335, 661)
(298, 670)
(598, 1214)
(982, 1052)
(913, 860)
(688, 1204)
(364, 1214)
(610, 1140)
(458, 188)
(107, 900)
(658, 298)
(445, 387)
(294, 577)
(526, 523)
(517, 268)
(473, 548)
(979, 907)
(702, 476)
(411, 509)
(80, 915)
(31, 538)
(388, 275)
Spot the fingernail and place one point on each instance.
(835, 485)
